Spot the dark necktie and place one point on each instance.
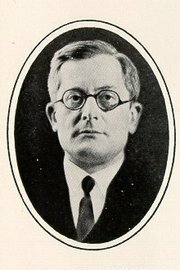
(86, 217)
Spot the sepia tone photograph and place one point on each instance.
(91, 135)
(73, 195)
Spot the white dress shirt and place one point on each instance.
(74, 176)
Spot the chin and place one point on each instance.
(87, 152)
(89, 155)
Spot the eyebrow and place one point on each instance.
(75, 88)
(105, 87)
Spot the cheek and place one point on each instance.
(119, 126)
(119, 121)
(65, 123)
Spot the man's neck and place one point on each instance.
(91, 168)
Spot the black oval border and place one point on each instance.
(174, 125)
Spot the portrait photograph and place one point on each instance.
(92, 135)
(89, 132)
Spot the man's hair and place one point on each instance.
(87, 49)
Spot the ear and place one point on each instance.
(135, 114)
(51, 115)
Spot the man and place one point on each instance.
(94, 90)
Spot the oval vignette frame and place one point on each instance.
(80, 24)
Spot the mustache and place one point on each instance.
(88, 127)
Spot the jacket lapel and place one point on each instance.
(57, 209)
(122, 210)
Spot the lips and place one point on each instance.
(91, 131)
(86, 131)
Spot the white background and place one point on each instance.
(24, 245)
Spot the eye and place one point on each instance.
(107, 97)
(75, 97)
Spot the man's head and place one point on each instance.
(87, 82)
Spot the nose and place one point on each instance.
(90, 109)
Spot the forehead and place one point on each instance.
(92, 73)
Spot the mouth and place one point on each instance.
(87, 132)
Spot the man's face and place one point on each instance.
(90, 135)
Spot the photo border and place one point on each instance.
(11, 120)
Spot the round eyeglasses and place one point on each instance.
(106, 100)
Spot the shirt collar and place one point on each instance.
(75, 174)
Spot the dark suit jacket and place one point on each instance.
(129, 197)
